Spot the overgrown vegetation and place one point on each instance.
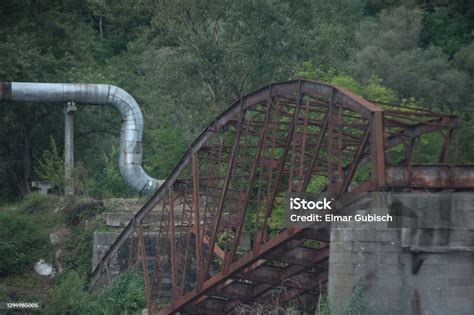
(24, 232)
(69, 296)
(80, 216)
(51, 166)
(124, 296)
(21, 243)
(25, 229)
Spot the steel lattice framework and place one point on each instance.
(229, 186)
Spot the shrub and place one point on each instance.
(34, 202)
(21, 243)
(79, 210)
(110, 183)
(51, 166)
(78, 251)
(126, 294)
(69, 297)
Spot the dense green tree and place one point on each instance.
(389, 47)
(40, 42)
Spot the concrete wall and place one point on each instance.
(383, 261)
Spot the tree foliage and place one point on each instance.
(389, 47)
(185, 61)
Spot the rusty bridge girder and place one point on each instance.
(293, 136)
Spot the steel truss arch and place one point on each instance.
(214, 241)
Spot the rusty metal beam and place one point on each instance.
(378, 149)
(431, 176)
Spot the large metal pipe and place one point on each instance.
(131, 132)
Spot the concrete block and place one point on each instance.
(462, 292)
(346, 279)
(366, 247)
(341, 247)
(391, 283)
(117, 219)
(390, 247)
(434, 259)
(392, 271)
(466, 270)
(390, 259)
(391, 306)
(439, 291)
(341, 269)
(342, 235)
(105, 238)
(341, 290)
(390, 236)
(427, 270)
(460, 258)
(341, 258)
(460, 306)
(365, 236)
(461, 282)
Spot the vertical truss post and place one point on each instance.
(197, 219)
(303, 147)
(143, 258)
(174, 262)
(159, 259)
(444, 156)
(330, 152)
(131, 245)
(378, 150)
(293, 156)
(340, 145)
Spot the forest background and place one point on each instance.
(184, 61)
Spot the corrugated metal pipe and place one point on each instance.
(131, 132)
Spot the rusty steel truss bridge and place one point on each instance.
(219, 241)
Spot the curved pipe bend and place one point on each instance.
(131, 131)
